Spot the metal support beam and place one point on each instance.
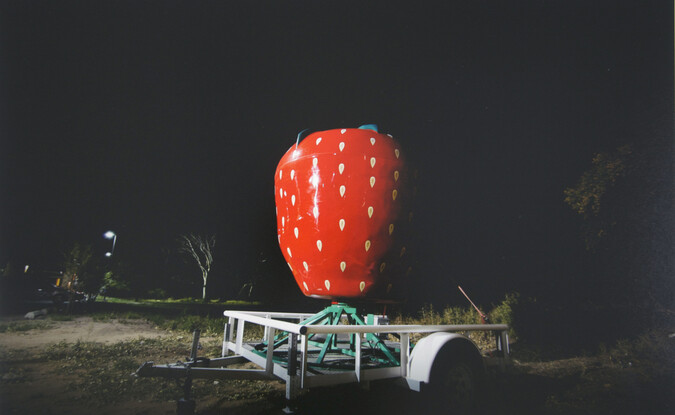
(303, 360)
(292, 382)
(357, 364)
(405, 353)
(240, 335)
(223, 351)
(195, 344)
(269, 366)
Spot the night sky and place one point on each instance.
(156, 118)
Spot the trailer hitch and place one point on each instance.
(187, 405)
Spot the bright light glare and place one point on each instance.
(108, 254)
(109, 235)
(314, 180)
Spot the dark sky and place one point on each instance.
(154, 118)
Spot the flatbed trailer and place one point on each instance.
(338, 346)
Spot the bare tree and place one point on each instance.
(200, 248)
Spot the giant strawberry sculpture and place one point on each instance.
(342, 199)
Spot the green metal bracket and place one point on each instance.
(333, 315)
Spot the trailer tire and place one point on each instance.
(455, 379)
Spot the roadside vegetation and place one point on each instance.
(184, 323)
(501, 313)
(23, 326)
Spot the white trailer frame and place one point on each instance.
(295, 370)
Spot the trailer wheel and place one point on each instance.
(455, 379)
(458, 387)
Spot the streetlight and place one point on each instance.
(110, 235)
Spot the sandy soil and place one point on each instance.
(83, 329)
(31, 384)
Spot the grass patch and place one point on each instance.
(179, 301)
(102, 373)
(190, 300)
(184, 324)
(122, 317)
(188, 323)
(23, 326)
(60, 317)
(209, 326)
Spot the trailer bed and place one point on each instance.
(306, 355)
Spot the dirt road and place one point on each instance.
(80, 329)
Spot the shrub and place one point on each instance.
(652, 352)
(157, 294)
(501, 313)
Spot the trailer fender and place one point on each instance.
(437, 345)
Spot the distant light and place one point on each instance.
(108, 254)
(25, 269)
(109, 235)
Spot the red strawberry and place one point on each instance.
(342, 202)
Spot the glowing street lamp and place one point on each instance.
(110, 235)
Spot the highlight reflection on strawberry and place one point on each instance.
(343, 212)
